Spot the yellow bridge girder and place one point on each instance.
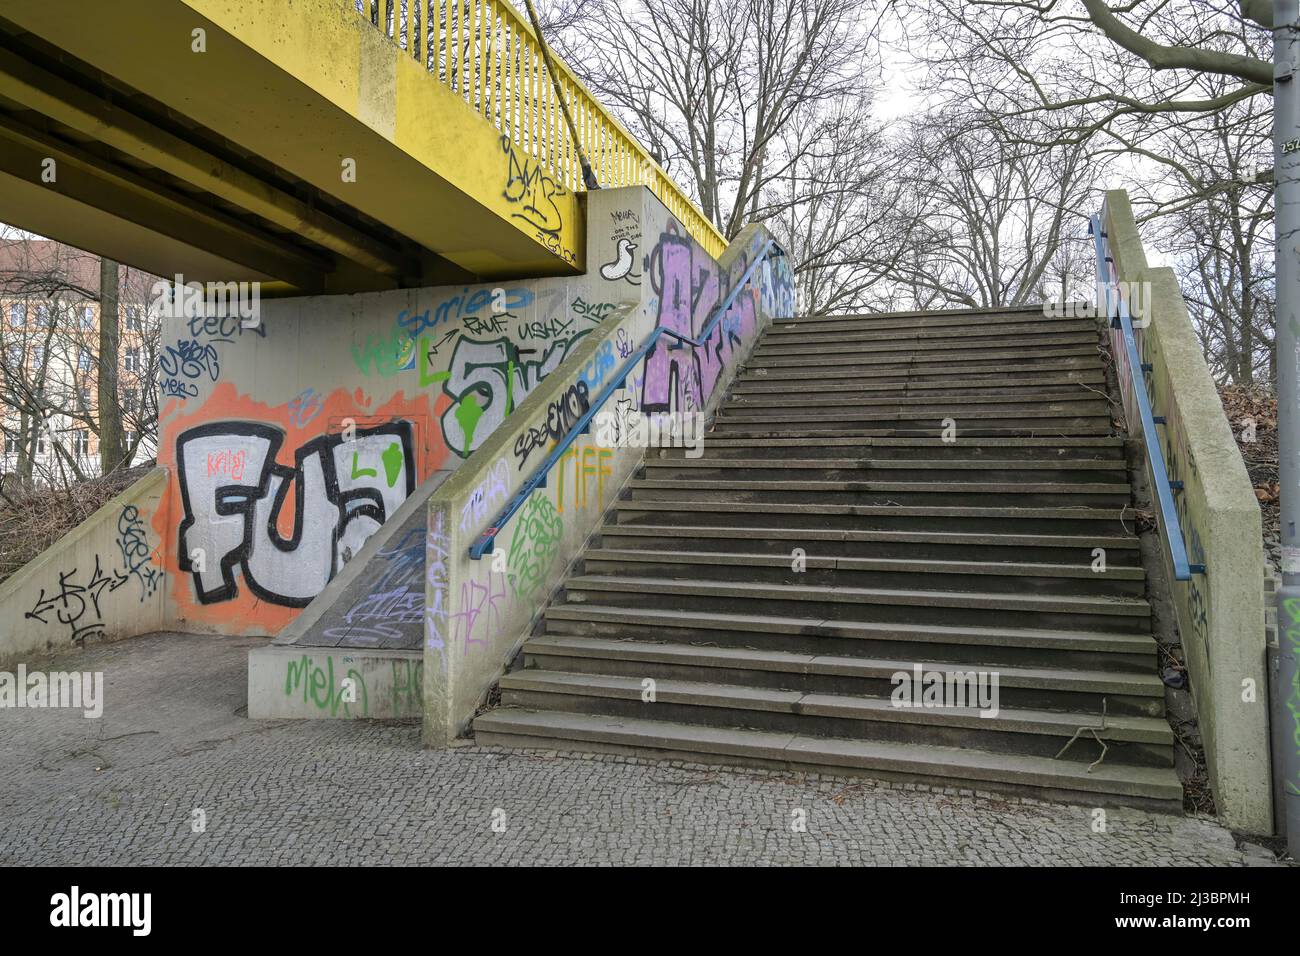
(290, 142)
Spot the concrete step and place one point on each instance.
(790, 668)
(875, 414)
(968, 428)
(865, 390)
(817, 567)
(1054, 357)
(967, 493)
(939, 318)
(930, 373)
(953, 518)
(920, 344)
(765, 703)
(867, 416)
(954, 469)
(1076, 400)
(932, 447)
(905, 545)
(902, 328)
(912, 605)
(1066, 780)
(805, 634)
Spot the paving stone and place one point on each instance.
(173, 739)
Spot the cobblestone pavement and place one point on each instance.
(173, 739)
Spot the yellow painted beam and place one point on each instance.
(308, 85)
(102, 121)
(82, 178)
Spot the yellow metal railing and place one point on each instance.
(486, 51)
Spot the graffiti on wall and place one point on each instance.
(685, 280)
(319, 687)
(137, 555)
(487, 380)
(237, 500)
(561, 415)
(195, 358)
(538, 532)
(532, 193)
(76, 601)
(392, 608)
(436, 587)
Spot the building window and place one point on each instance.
(131, 362)
(83, 396)
(38, 356)
(11, 444)
(129, 398)
(17, 315)
(88, 317)
(15, 356)
(43, 316)
(134, 318)
(85, 361)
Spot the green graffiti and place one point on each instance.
(534, 544)
(468, 412)
(393, 459)
(362, 472)
(319, 687)
(384, 356)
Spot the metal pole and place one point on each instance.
(588, 177)
(1286, 204)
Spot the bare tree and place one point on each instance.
(712, 86)
(993, 212)
(55, 395)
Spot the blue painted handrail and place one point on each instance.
(1116, 312)
(487, 539)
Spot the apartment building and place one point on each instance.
(49, 362)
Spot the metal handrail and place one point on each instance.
(486, 52)
(487, 539)
(1117, 313)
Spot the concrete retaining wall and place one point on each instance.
(1221, 613)
(101, 581)
(290, 441)
(480, 612)
(316, 682)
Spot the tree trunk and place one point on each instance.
(112, 449)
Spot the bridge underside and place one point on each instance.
(235, 162)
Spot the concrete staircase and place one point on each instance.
(973, 554)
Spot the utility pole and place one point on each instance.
(1286, 224)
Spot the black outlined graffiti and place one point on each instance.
(621, 266)
(343, 491)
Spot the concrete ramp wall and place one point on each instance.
(366, 627)
(103, 580)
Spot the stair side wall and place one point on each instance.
(480, 612)
(1220, 613)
